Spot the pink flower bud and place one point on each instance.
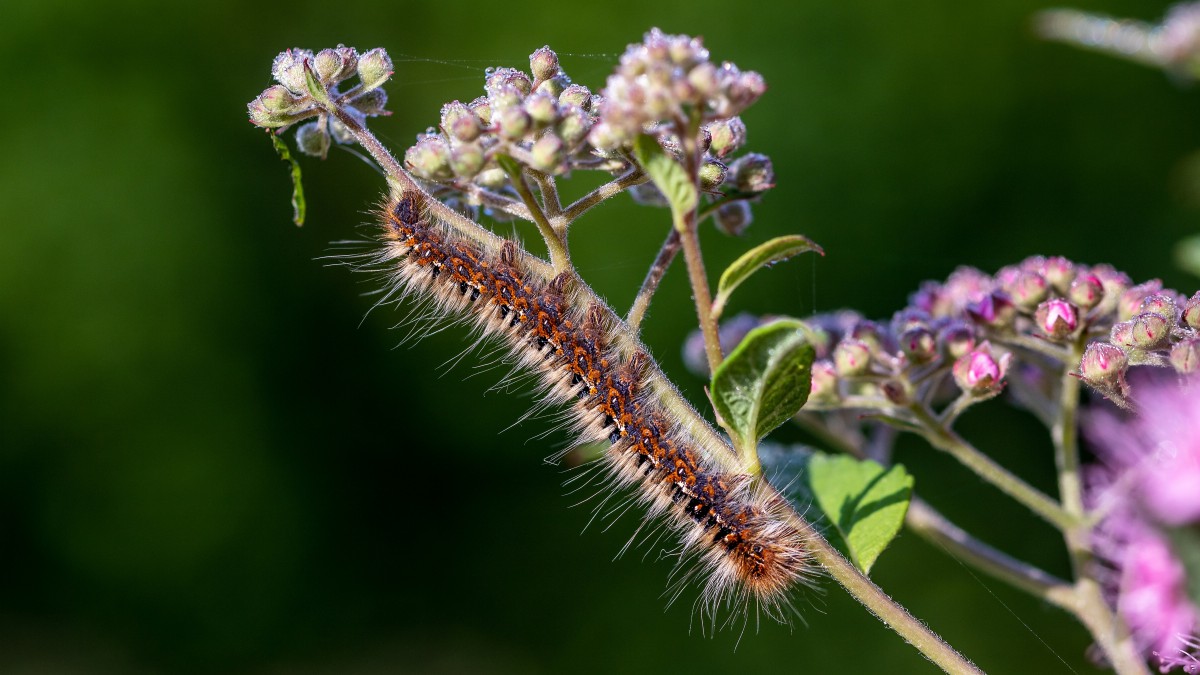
(1131, 299)
(1086, 291)
(1150, 330)
(1185, 356)
(851, 357)
(1059, 272)
(1159, 303)
(1056, 318)
(994, 310)
(957, 339)
(1121, 335)
(1103, 365)
(979, 373)
(1191, 312)
(1029, 289)
(577, 94)
(824, 382)
(753, 173)
(918, 344)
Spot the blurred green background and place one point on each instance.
(209, 462)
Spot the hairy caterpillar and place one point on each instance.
(748, 551)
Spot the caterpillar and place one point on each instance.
(734, 528)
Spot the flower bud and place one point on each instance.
(753, 173)
(374, 68)
(703, 79)
(371, 102)
(993, 310)
(577, 94)
(547, 153)
(288, 70)
(733, 218)
(1150, 330)
(979, 373)
(726, 136)
(574, 126)
(607, 137)
(1028, 290)
(1121, 335)
(1086, 291)
(851, 358)
(513, 123)
(1115, 284)
(918, 344)
(743, 90)
(502, 78)
(956, 339)
(543, 63)
(459, 121)
(712, 174)
(430, 158)
(1159, 303)
(492, 179)
(1191, 312)
(1131, 299)
(466, 160)
(542, 109)
(1059, 273)
(554, 86)
(1185, 356)
(277, 99)
(824, 382)
(482, 107)
(349, 57)
(1057, 318)
(327, 64)
(1103, 365)
(869, 333)
(313, 138)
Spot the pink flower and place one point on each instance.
(1149, 479)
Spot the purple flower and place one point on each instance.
(1149, 479)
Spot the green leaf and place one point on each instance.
(299, 206)
(864, 501)
(763, 383)
(669, 177)
(764, 255)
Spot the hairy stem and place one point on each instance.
(942, 438)
(560, 258)
(879, 603)
(550, 200)
(634, 176)
(495, 200)
(1106, 627)
(666, 254)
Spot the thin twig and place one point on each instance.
(612, 188)
(560, 258)
(666, 254)
(550, 200)
(495, 200)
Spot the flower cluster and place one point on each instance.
(663, 79)
(1148, 486)
(306, 79)
(976, 327)
(544, 122)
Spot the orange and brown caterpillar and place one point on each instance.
(737, 527)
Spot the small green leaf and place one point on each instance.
(299, 206)
(315, 88)
(763, 383)
(764, 255)
(668, 176)
(863, 500)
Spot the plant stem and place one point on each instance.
(945, 439)
(549, 190)
(560, 258)
(614, 187)
(1107, 628)
(887, 610)
(495, 201)
(666, 254)
(934, 527)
